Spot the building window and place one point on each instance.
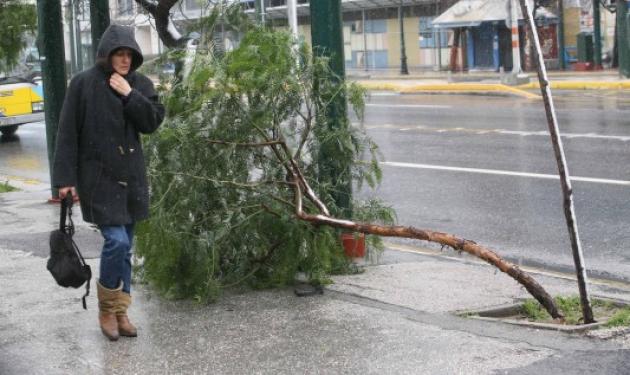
(375, 26)
(125, 7)
(428, 35)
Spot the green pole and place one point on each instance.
(99, 19)
(327, 41)
(51, 52)
(563, 63)
(623, 49)
(597, 36)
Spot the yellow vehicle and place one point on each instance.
(21, 102)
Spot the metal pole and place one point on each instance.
(99, 19)
(77, 35)
(403, 54)
(327, 41)
(70, 16)
(365, 49)
(597, 35)
(561, 35)
(516, 48)
(51, 48)
(563, 170)
(260, 11)
(292, 15)
(439, 48)
(623, 45)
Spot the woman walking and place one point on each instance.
(98, 157)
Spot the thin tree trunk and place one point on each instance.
(569, 211)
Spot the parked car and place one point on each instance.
(21, 102)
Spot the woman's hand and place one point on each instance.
(68, 190)
(119, 84)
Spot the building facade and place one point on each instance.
(372, 32)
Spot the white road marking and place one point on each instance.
(438, 106)
(568, 135)
(504, 173)
(384, 94)
(522, 133)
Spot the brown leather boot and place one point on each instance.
(107, 303)
(125, 328)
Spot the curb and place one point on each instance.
(24, 184)
(580, 85)
(459, 88)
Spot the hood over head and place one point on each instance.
(115, 37)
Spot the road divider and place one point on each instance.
(460, 88)
(581, 85)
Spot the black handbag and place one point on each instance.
(66, 264)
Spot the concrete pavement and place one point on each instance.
(396, 318)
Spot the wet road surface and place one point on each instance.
(483, 168)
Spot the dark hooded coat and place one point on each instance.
(98, 146)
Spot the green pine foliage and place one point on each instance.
(5, 187)
(222, 214)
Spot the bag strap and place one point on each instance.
(87, 284)
(66, 212)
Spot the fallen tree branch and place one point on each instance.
(298, 182)
(445, 239)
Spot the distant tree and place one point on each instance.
(17, 19)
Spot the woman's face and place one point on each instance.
(121, 61)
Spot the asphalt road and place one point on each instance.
(23, 155)
(483, 168)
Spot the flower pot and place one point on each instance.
(353, 244)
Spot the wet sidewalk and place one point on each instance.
(396, 318)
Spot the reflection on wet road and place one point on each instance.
(24, 155)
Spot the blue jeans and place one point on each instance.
(116, 256)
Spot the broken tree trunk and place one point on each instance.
(554, 131)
